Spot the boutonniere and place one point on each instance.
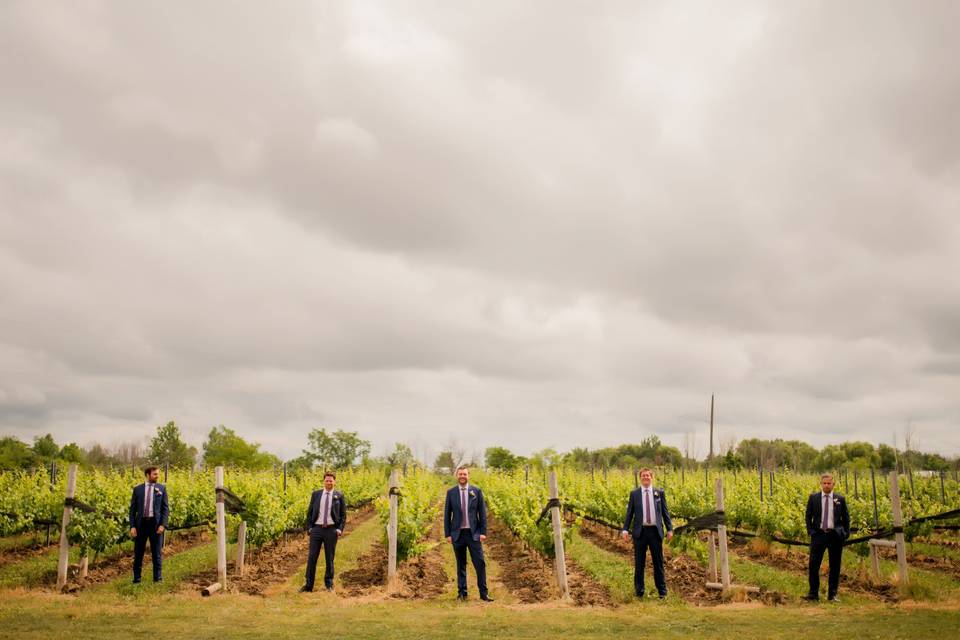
(656, 494)
(156, 491)
(472, 493)
(836, 501)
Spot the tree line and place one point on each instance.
(341, 449)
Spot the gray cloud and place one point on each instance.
(504, 225)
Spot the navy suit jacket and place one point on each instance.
(161, 506)
(453, 513)
(841, 517)
(338, 510)
(634, 520)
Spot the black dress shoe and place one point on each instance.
(462, 597)
(833, 598)
(662, 596)
(812, 597)
(486, 598)
(640, 595)
(306, 589)
(329, 587)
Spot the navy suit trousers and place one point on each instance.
(649, 538)
(148, 531)
(460, 545)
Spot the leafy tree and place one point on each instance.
(545, 458)
(445, 461)
(336, 450)
(15, 454)
(888, 456)
(731, 461)
(72, 453)
(46, 448)
(168, 448)
(224, 447)
(501, 458)
(402, 455)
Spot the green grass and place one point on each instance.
(98, 615)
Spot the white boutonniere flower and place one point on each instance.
(156, 491)
(836, 501)
(472, 494)
(656, 494)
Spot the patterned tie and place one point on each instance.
(826, 512)
(465, 522)
(648, 516)
(324, 504)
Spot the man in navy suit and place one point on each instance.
(465, 527)
(828, 523)
(647, 518)
(149, 512)
(326, 519)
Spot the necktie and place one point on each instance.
(324, 505)
(465, 523)
(148, 501)
(826, 512)
(649, 507)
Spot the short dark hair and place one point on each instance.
(148, 470)
(329, 473)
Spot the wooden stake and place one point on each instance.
(898, 523)
(712, 568)
(85, 566)
(560, 561)
(241, 546)
(392, 529)
(64, 558)
(722, 536)
(876, 512)
(221, 531)
(216, 586)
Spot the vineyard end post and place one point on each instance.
(898, 526)
(221, 530)
(64, 558)
(392, 529)
(560, 561)
(876, 512)
(722, 538)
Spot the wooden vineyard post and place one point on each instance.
(241, 546)
(392, 530)
(898, 526)
(64, 558)
(876, 512)
(560, 561)
(943, 493)
(221, 530)
(53, 482)
(284, 477)
(712, 568)
(760, 473)
(722, 535)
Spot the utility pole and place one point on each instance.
(710, 456)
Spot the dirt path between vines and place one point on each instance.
(684, 575)
(855, 582)
(271, 564)
(109, 569)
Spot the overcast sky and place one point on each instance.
(529, 224)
